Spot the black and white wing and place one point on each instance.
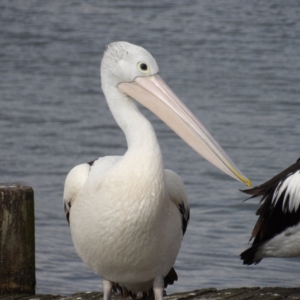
(74, 182)
(279, 209)
(78, 176)
(178, 195)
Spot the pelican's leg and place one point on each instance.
(158, 287)
(125, 293)
(107, 288)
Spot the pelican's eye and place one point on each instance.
(142, 67)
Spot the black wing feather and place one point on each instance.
(67, 207)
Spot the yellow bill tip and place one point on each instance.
(248, 182)
(239, 176)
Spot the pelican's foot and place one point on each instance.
(158, 287)
(107, 289)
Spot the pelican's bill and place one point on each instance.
(154, 93)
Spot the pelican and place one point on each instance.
(277, 230)
(127, 214)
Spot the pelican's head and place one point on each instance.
(124, 62)
(133, 71)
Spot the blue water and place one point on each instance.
(235, 64)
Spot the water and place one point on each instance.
(235, 64)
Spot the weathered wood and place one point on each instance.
(17, 244)
(254, 293)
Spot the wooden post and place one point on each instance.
(17, 244)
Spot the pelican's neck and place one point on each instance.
(138, 130)
(142, 165)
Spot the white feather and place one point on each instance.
(291, 187)
(285, 244)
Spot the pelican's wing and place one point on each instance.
(78, 176)
(74, 182)
(279, 210)
(178, 196)
(280, 203)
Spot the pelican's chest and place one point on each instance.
(129, 201)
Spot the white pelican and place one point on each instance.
(128, 214)
(277, 230)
